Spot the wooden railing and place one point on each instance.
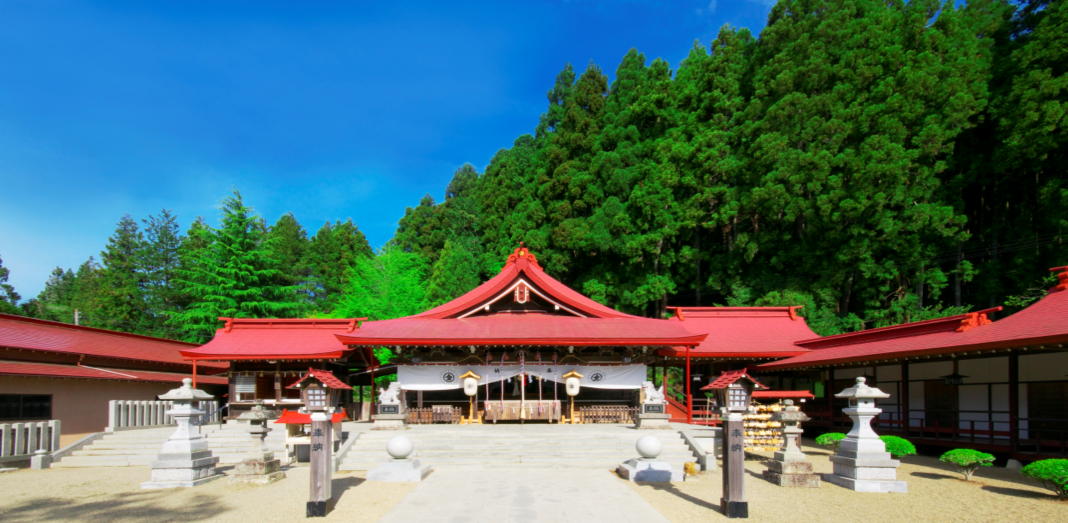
(607, 414)
(19, 441)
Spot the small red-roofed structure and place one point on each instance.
(326, 377)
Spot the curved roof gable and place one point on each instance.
(522, 265)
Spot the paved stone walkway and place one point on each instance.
(522, 495)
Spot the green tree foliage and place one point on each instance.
(289, 247)
(388, 285)
(967, 461)
(235, 275)
(160, 261)
(451, 275)
(333, 252)
(898, 447)
(121, 304)
(1052, 473)
(9, 299)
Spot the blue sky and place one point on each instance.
(329, 110)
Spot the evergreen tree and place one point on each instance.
(332, 253)
(161, 260)
(290, 244)
(234, 276)
(54, 302)
(452, 274)
(9, 299)
(121, 304)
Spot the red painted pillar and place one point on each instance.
(689, 395)
(194, 374)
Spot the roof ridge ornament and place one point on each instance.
(522, 252)
(972, 320)
(1062, 278)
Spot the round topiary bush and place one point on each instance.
(1052, 473)
(967, 461)
(898, 446)
(830, 439)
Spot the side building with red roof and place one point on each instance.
(960, 380)
(54, 370)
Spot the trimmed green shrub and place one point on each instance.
(1052, 473)
(830, 439)
(967, 461)
(898, 446)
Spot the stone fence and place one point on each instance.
(133, 414)
(18, 441)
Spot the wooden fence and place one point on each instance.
(607, 414)
(20, 440)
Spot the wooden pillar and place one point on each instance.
(829, 392)
(689, 396)
(278, 382)
(321, 464)
(194, 374)
(1014, 401)
(904, 400)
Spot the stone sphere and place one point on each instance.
(649, 447)
(400, 447)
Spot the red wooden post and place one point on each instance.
(194, 374)
(689, 396)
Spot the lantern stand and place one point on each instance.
(734, 389)
(571, 386)
(470, 381)
(317, 398)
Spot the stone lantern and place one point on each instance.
(184, 460)
(318, 390)
(789, 467)
(861, 462)
(259, 466)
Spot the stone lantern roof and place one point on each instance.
(186, 393)
(861, 391)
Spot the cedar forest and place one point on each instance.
(877, 162)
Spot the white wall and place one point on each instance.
(1050, 366)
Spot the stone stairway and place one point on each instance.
(141, 446)
(599, 447)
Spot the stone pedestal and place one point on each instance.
(389, 421)
(648, 469)
(400, 468)
(651, 420)
(184, 460)
(861, 462)
(41, 459)
(259, 466)
(790, 467)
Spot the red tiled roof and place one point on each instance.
(299, 418)
(586, 322)
(324, 376)
(52, 336)
(937, 336)
(521, 329)
(782, 394)
(724, 380)
(21, 368)
(742, 332)
(268, 339)
(1043, 323)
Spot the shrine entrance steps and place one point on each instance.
(597, 447)
(229, 442)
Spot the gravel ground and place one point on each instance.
(935, 494)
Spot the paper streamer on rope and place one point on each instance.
(447, 377)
